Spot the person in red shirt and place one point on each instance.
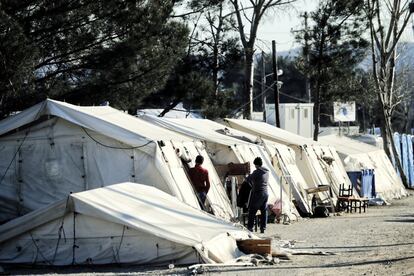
(199, 178)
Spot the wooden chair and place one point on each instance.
(347, 201)
(344, 198)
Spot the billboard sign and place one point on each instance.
(344, 111)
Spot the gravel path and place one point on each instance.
(379, 242)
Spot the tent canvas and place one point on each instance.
(55, 148)
(283, 161)
(224, 149)
(319, 164)
(177, 112)
(371, 139)
(123, 223)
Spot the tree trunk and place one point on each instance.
(216, 48)
(316, 120)
(316, 112)
(316, 107)
(169, 107)
(215, 68)
(388, 141)
(406, 119)
(248, 88)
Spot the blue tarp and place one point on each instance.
(368, 183)
(404, 155)
(355, 177)
(364, 182)
(410, 159)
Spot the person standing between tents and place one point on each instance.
(259, 195)
(199, 178)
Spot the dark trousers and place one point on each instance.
(202, 196)
(258, 201)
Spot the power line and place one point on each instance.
(254, 98)
(234, 112)
(284, 94)
(112, 147)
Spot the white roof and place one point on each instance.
(102, 119)
(269, 132)
(345, 145)
(139, 207)
(201, 129)
(177, 112)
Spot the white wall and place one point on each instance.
(294, 117)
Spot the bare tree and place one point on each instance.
(404, 90)
(387, 21)
(217, 29)
(252, 16)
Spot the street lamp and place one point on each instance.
(264, 89)
(279, 73)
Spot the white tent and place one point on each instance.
(283, 161)
(371, 139)
(357, 155)
(224, 149)
(319, 164)
(122, 223)
(55, 148)
(177, 112)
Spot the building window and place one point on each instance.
(305, 113)
(292, 113)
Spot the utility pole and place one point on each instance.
(306, 53)
(275, 83)
(251, 93)
(263, 77)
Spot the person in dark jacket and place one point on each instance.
(243, 195)
(258, 199)
(200, 179)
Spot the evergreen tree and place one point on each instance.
(86, 51)
(192, 84)
(332, 48)
(204, 79)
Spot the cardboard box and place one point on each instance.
(255, 246)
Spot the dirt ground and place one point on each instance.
(379, 242)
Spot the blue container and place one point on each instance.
(364, 182)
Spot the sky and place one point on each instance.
(279, 25)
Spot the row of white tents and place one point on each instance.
(60, 161)
(353, 156)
